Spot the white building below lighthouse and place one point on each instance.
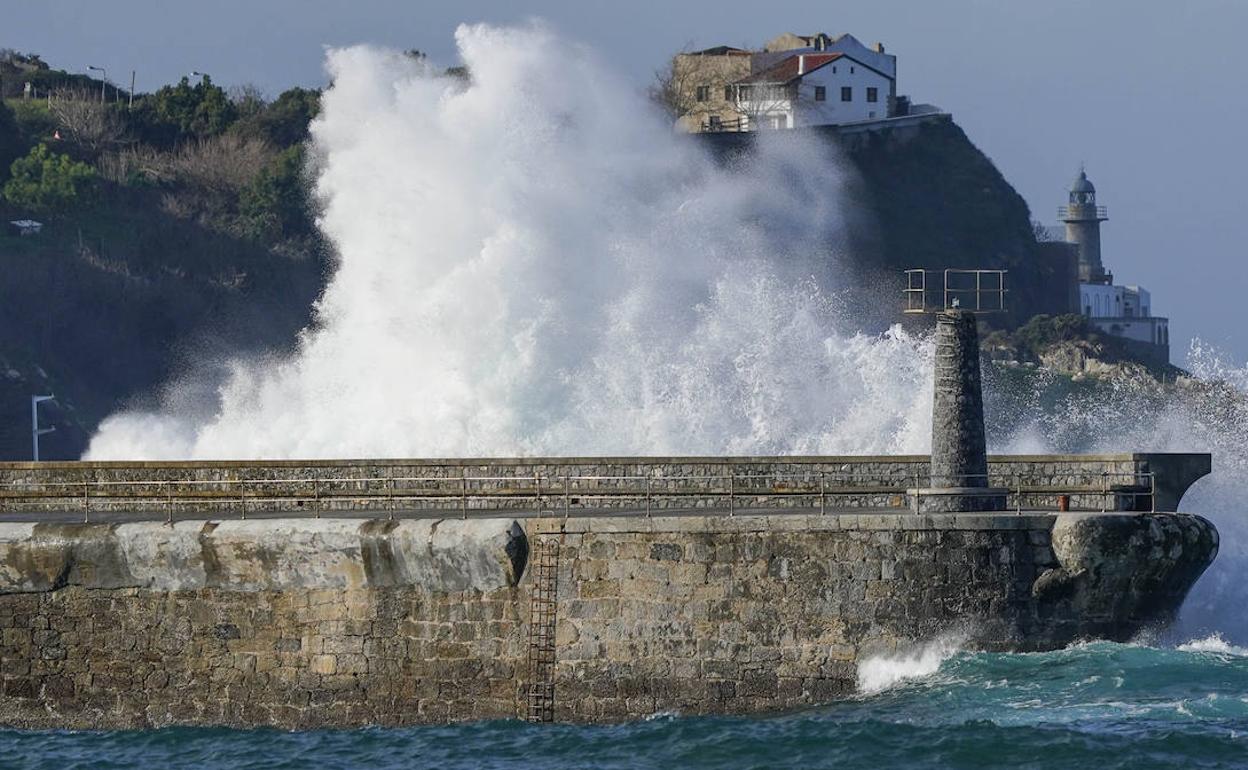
(1122, 311)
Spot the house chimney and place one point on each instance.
(879, 47)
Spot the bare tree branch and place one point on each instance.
(85, 120)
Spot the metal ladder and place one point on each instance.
(543, 602)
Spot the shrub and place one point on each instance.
(276, 203)
(48, 182)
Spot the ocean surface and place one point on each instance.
(1096, 705)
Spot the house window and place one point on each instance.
(847, 93)
(821, 93)
(851, 70)
(746, 93)
(873, 94)
(834, 70)
(703, 93)
(727, 93)
(717, 123)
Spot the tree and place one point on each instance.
(84, 120)
(1043, 233)
(48, 182)
(696, 88)
(197, 111)
(285, 121)
(248, 100)
(276, 203)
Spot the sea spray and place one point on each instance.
(880, 672)
(1206, 412)
(531, 263)
(523, 271)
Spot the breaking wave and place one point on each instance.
(531, 263)
(879, 673)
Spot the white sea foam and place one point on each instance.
(878, 673)
(1214, 644)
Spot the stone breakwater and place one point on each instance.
(331, 622)
(572, 486)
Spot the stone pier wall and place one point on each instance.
(305, 623)
(568, 485)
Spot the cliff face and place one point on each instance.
(924, 196)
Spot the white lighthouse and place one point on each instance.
(1083, 218)
(1123, 311)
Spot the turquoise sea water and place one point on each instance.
(1097, 705)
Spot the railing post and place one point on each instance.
(567, 501)
(390, 491)
(823, 494)
(538, 477)
(463, 493)
(647, 493)
(242, 499)
(86, 501)
(1018, 492)
(169, 506)
(316, 494)
(1104, 488)
(731, 493)
(1152, 492)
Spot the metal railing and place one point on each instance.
(981, 291)
(733, 126)
(1080, 212)
(465, 495)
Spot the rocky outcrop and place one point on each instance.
(1119, 574)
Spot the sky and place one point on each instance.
(1147, 94)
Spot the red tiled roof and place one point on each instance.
(787, 69)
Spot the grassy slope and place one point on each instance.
(144, 295)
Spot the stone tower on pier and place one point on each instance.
(1083, 220)
(959, 480)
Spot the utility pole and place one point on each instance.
(35, 430)
(131, 105)
(103, 79)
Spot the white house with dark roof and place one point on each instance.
(814, 89)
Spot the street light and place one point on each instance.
(35, 430)
(103, 79)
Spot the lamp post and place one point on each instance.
(103, 79)
(35, 430)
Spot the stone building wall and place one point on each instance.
(303, 623)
